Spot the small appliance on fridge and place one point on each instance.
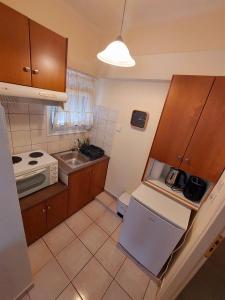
(153, 225)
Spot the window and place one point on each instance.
(77, 114)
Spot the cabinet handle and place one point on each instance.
(179, 157)
(35, 71)
(187, 159)
(43, 210)
(26, 69)
(49, 207)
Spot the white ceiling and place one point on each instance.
(107, 13)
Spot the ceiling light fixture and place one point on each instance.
(117, 53)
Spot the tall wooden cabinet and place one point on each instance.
(31, 54)
(190, 134)
(205, 155)
(185, 100)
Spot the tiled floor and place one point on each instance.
(81, 260)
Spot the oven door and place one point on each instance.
(32, 182)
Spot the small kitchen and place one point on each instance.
(104, 175)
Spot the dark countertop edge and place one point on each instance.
(68, 170)
(42, 195)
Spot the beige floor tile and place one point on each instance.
(105, 198)
(49, 282)
(115, 292)
(108, 221)
(58, 238)
(113, 207)
(116, 233)
(69, 294)
(132, 279)
(39, 255)
(92, 281)
(94, 209)
(110, 256)
(78, 222)
(73, 258)
(93, 237)
(151, 291)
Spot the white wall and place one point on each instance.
(130, 147)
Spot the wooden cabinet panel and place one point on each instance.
(99, 172)
(15, 47)
(48, 57)
(56, 209)
(79, 190)
(34, 221)
(205, 156)
(185, 101)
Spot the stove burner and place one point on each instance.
(36, 154)
(16, 159)
(32, 162)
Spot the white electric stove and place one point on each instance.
(33, 171)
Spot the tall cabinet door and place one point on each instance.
(48, 58)
(14, 47)
(185, 101)
(205, 156)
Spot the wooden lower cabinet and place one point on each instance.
(42, 217)
(86, 184)
(99, 172)
(56, 209)
(79, 189)
(34, 222)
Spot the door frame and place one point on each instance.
(209, 223)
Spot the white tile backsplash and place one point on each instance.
(104, 126)
(27, 129)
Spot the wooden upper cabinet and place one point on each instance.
(205, 156)
(185, 100)
(14, 47)
(48, 58)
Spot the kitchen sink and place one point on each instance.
(73, 158)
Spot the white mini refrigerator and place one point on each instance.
(153, 225)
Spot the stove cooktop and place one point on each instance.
(25, 162)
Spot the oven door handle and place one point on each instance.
(30, 174)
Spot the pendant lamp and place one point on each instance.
(117, 53)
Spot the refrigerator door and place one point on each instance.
(15, 273)
(147, 237)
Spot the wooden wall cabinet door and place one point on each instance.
(99, 172)
(15, 47)
(48, 58)
(56, 209)
(205, 155)
(79, 190)
(34, 222)
(185, 100)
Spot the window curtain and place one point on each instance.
(78, 110)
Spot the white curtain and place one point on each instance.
(78, 110)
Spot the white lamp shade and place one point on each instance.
(117, 54)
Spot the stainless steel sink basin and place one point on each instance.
(73, 158)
